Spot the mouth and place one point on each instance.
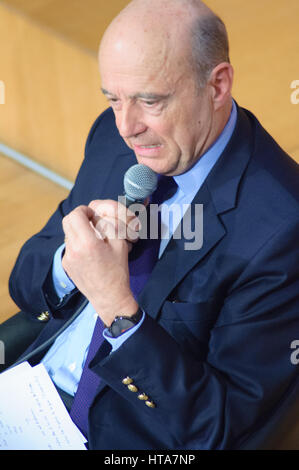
(149, 146)
(147, 150)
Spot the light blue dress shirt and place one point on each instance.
(65, 359)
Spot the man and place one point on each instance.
(205, 362)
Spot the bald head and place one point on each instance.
(161, 70)
(187, 27)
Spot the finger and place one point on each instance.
(103, 208)
(99, 233)
(77, 227)
(133, 230)
(116, 229)
(105, 228)
(110, 208)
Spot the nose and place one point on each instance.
(129, 121)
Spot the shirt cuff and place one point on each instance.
(62, 283)
(117, 342)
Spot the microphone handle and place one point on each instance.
(129, 202)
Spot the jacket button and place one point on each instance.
(44, 316)
(132, 388)
(127, 381)
(150, 404)
(143, 397)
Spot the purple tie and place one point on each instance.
(141, 262)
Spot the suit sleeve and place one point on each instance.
(32, 269)
(217, 402)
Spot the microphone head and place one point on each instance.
(140, 182)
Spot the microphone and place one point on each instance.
(140, 182)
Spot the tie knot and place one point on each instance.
(166, 188)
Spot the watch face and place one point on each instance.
(120, 325)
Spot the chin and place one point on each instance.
(158, 166)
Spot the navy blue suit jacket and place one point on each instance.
(214, 352)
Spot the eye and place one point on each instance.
(114, 103)
(149, 103)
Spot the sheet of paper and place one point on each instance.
(20, 369)
(32, 414)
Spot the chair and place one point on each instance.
(16, 334)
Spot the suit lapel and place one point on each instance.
(177, 259)
(217, 195)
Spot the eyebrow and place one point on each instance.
(144, 96)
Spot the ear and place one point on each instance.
(221, 82)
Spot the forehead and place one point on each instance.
(145, 53)
(136, 67)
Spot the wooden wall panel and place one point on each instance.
(52, 81)
(26, 203)
(52, 94)
(81, 21)
(264, 44)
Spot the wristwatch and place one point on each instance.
(123, 323)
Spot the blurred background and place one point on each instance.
(50, 96)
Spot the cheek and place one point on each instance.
(179, 125)
(117, 119)
(165, 129)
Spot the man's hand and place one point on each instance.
(98, 239)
